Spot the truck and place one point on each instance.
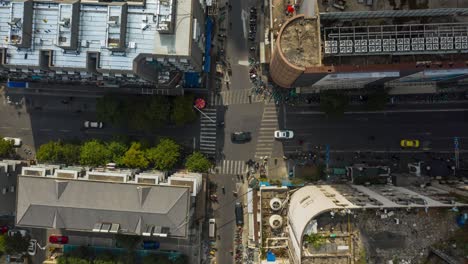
(212, 228)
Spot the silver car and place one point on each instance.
(284, 134)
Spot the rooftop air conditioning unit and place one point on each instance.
(65, 22)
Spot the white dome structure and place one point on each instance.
(276, 221)
(276, 204)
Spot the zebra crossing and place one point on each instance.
(235, 97)
(268, 126)
(208, 132)
(231, 167)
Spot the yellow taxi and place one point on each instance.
(409, 143)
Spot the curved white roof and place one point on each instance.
(308, 202)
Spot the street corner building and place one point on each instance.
(415, 49)
(104, 202)
(142, 43)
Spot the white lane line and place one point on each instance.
(385, 112)
(3, 127)
(45, 129)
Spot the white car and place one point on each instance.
(16, 141)
(32, 247)
(93, 124)
(284, 134)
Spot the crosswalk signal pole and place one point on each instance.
(456, 144)
(204, 114)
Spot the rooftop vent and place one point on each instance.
(276, 204)
(276, 221)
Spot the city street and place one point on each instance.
(374, 131)
(46, 118)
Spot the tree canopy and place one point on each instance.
(6, 148)
(135, 157)
(94, 153)
(333, 103)
(58, 152)
(117, 150)
(198, 163)
(183, 111)
(165, 155)
(16, 244)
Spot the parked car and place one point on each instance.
(241, 137)
(212, 228)
(93, 124)
(150, 245)
(56, 239)
(239, 211)
(16, 141)
(32, 247)
(284, 134)
(13, 232)
(409, 143)
(4, 229)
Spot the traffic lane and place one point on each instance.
(241, 118)
(238, 32)
(225, 219)
(375, 131)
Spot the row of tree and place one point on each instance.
(164, 156)
(6, 148)
(15, 244)
(145, 113)
(335, 103)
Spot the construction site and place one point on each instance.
(357, 224)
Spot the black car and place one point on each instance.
(239, 211)
(241, 137)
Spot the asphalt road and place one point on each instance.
(245, 117)
(56, 120)
(374, 131)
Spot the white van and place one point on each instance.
(212, 228)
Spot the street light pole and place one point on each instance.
(205, 114)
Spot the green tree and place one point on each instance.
(198, 163)
(109, 109)
(50, 152)
(135, 157)
(70, 153)
(16, 244)
(94, 153)
(117, 150)
(6, 148)
(377, 100)
(333, 103)
(2, 244)
(182, 259)
(165, 155)
(316, 240)
(183, 111)
(156, 259)
(128, 242)
(158, 110)
(72, 260)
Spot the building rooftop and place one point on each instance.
(300, 42)
(64, 35)
(81, 204)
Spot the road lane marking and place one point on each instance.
(45, 129)
(3, 127)
(64, 130)
(24, 128)
(384, 112)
